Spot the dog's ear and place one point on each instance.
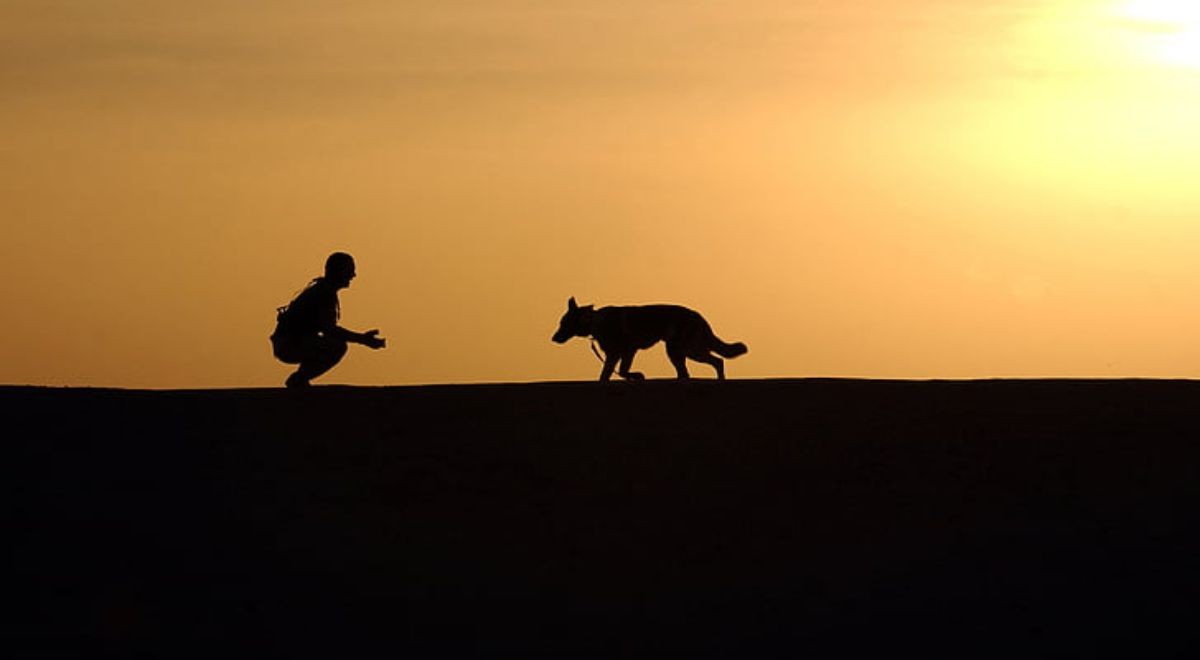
(571, 304)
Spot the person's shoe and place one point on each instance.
(295, 381)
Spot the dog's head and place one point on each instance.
(577, 322)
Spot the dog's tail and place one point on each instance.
(726, 350)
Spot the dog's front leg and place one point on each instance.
(610, 363)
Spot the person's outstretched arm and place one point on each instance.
(370, 338)
(330, 328)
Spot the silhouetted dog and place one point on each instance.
(623, 331)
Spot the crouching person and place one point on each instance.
(307, 331)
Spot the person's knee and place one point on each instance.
(326, 354)
(338, 348)
(332, 351)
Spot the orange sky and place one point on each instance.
(922, 189)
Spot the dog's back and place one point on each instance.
(637, 327)
(642, 326)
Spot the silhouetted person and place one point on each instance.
(307, 332)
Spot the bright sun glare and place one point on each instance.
(1172, 27)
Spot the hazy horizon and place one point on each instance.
(943, 189)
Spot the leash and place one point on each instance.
(594, 350)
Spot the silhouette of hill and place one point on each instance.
(581, 519)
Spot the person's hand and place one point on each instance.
(371, 339)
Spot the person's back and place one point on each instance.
(309, 313)
(307, 331)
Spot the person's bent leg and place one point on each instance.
(325, 354)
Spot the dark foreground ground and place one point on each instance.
(748, 518)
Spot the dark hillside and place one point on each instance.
(961, 518)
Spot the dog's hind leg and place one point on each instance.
(626, 364)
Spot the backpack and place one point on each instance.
(289, 315)
(298, 316)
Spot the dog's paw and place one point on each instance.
(633, 375)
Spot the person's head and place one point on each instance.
(339, 269)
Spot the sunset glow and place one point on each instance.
(1172, 29)
(874, 189)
